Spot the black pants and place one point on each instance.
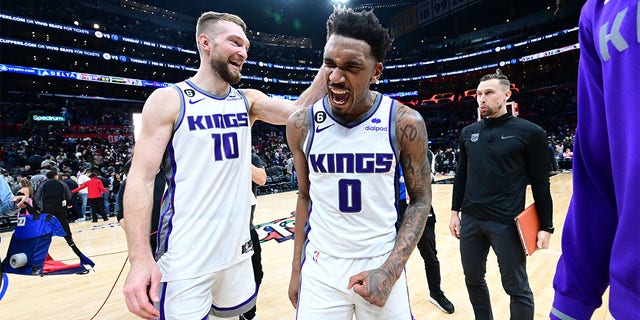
(427, 248)
(61, 215)
(476, 237)
(256, 261)
(97, 207)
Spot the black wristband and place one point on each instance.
(548, 229)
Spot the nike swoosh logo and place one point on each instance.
(318, 129)
(194, 102)
(506, 137)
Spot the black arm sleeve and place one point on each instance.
(538, 167)
(120, 214)
(37, 199)
(67, 193)
(460, 179)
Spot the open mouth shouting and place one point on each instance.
(339, 97)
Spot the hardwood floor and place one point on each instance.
(80, 296)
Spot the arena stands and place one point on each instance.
(73, 72)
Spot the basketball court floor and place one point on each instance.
(80, 297)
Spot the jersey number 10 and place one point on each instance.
(225, 146)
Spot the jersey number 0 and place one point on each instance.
(350, 195)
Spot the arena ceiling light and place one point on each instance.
(340, 1)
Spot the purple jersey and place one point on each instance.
(601, 236)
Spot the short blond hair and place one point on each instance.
(208, 19)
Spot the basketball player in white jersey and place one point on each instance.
(199, 131)
(348, 257)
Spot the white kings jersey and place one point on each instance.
(352, 181)
(204, 220)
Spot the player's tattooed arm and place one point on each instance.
(300, 120)
(411, 134)
(413, 140)
(298, 126)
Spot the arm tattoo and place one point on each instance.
(302, 120)
(409, 130)
(301, 123)
(379, 285)
(412, 136)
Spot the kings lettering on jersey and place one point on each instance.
(219, 121)
(351, 163)
(614, 31)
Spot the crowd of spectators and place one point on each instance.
(95, 138)
(97, 133)
(148, 27)
(436, 46)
